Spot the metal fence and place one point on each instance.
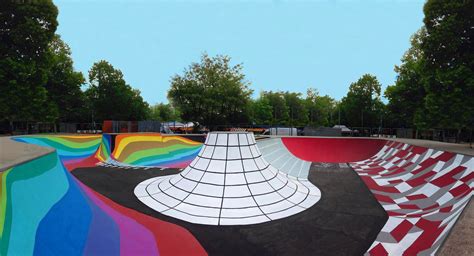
(444, 135)
(89, 128)
(26, 127)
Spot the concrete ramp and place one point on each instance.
(228, 183)
(275, 152)
(148, 150)
(332, 150)
(121, 150)
(423, 191)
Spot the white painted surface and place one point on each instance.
(229, 183)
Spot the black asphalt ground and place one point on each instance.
(345, 221)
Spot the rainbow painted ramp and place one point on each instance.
(153, 194)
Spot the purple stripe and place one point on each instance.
(135, 239)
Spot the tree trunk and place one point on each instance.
(11, 127)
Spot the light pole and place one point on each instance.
(339, 115)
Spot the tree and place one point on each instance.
(362, 106)
(211, 92)
(449, 63)
(111, 97)
(297, 111)
(164, 113)
(320, 108)
(64, 84)
(406, 96)
(26, 29)
(261, 111)
(280, 112)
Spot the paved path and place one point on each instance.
(345, 221)
(461, 239)
(13, 153)
(451, 147)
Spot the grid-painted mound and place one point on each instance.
(276, 153)
(228, 183)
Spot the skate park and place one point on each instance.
(228, 193)
(236, 128)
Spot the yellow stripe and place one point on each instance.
(3, 199)
(129, 139)
(182, 139)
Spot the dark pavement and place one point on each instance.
(345, 221)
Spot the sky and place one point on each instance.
(283, 45)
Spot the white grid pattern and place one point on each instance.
(275, 152)
(228, 183)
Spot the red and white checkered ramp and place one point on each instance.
(423, 191)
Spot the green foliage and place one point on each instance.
(290, 108)
(297, 111)
(64, 84)
(406, 96)
(320, 108)
(261, 111)
(280, 112)
(449, 62)
(434, 87)
(111, 97)
(26, 29)
(435, 83)
(164, 113)
(362, 106)
(211, 92)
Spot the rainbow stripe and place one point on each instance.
(103, 154)
(73, 151)
(45, 210)
(155, 150)
(127, 149)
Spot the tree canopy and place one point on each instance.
(26, 31)
(434, 87)
(320, 108)
(164, 113)
(449, 63)
(362, 105)
(435, 83)
(280, 112)
(111, 97)
(261, 111)
(297, 111)
(211, 92)
(64, 84)
(406, 96)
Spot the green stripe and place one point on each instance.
(136, 156)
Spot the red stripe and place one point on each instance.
(334, 150)
(401, 230)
